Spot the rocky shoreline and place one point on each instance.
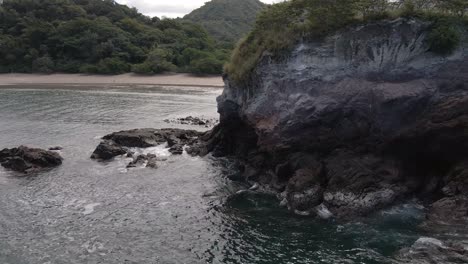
(359, 121)
(340, 128)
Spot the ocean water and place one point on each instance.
(90, 212)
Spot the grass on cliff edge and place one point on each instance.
(282, 25)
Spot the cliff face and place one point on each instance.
(353, 122)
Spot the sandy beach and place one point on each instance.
(82, 79)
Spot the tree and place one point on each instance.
(43, 65)
(206, 65)
(458, 7)
(158, 61)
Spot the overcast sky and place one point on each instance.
(169, 8)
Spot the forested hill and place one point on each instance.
(227, 20)
(100, 36)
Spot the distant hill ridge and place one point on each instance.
(227, 20)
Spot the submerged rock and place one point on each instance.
(56, 148)
(150, 160)
(25, 159)
(428, 250)
(355, 121)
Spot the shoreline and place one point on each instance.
(176, 79)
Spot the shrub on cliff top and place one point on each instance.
(282, 24)
(444, 38)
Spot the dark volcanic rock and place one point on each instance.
(451, 210)
(24, 159)
(382, 116)
(148, 137)
(149, 159)
(107, 150)
(118, 143)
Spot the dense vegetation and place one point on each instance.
(100, 36)
(227, 20)
(281, 25)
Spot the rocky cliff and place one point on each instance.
(353, 122)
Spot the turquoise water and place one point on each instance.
(89, 212)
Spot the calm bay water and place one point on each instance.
(89, 212)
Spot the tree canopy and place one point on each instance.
(100, 36)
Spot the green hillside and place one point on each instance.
(227, 20)
(100, 36)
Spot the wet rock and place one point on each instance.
(304, 190)
(150, 160)
(452, 208)
(25, 159)
(322, 212)
(358, 185)
(56, 148)
(107, 150)
(138, 161)
(430, 250)
(194, 121)
(177, 149)
(140, 138)
(16, 164)
(451, 211)
(118, 143)
(236, 177)
(144, 138)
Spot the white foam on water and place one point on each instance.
(161, 151)
(429, 241)
(89, 208)
(92, 247)
(323, 212)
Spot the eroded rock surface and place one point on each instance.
(25, 159)
(357, 121)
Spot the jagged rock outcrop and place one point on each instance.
(25, 159)
(353, 122)
(119, 143)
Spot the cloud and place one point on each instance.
(168, 8)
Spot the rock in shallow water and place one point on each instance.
(194, 121)
(25, 159)
(107, 150)
(119, 143)
(428, 250)
(150, 160)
